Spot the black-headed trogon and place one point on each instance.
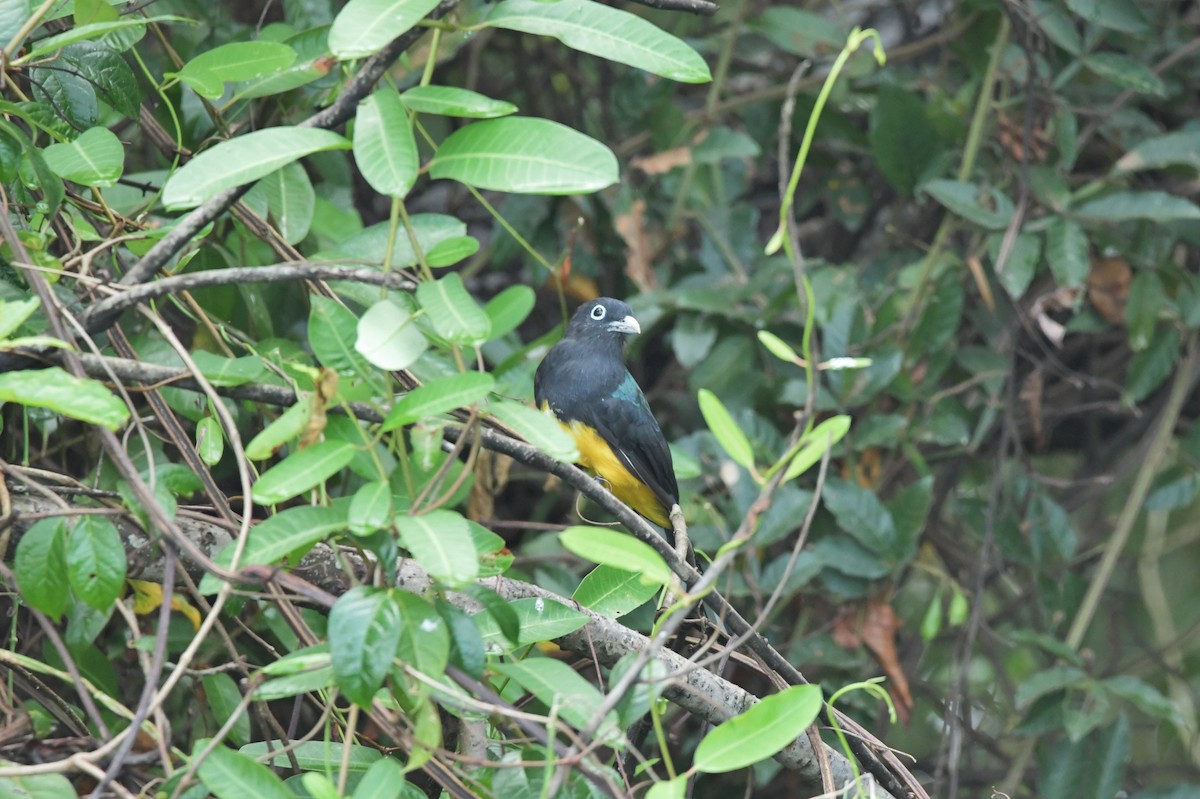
(583, 382)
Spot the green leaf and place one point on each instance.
(111, 78)
(79, 398)
(302, 470)
(859, 512)
(669, 789)
(613, 591)
(1181, 148)
(233, 775)
(1018, 271)
(364, 631)
(41, 567)
(540, 619)
(35, 786)
(384, 147)
(371, 508)
(452, 101)
(617, 550)
(1144, 696)
(289, 425)
(439, 396)
(778, 347)
(499, 609)
(441, 542)
(291, 201)
(388, 337)
(95, 561)
(813, 446)
(1119, 15)
(363, 27)
(451, 251)
(244, 159)
(424, 637)
(1126, 72)
(1156, 206)
(96, 158)
(987, 208)
(89, 11)
(606, 32)
(803, 33)
(561, 689)
(333, 336)
(1067, 252)
(208, 72)
(13, 14)
(509, 308)
(1046, 682)
(223, 699)
(725, 430)
(453, 311)
(903, 140)
(759, 732)
(539, 429)
(383, 780)
(97, 31)
(313, 756)
(1148, 368)
(527, 156)
(289, 532)
(14, 313)
(210, 441)
(370, 244)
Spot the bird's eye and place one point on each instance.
(598, 313)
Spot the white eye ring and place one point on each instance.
(598, 313)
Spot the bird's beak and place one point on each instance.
(628, 325)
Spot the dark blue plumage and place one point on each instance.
(584, 383)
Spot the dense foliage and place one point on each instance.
(275, 278)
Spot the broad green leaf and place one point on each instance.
(760, 732)
(860, 513)
(34, 786)
(1048, 681)
(244, 159)
(451, 251)
(453, 311)
(613, 591)
(332, 334)
(388, 337)
(79, 398)
(527, 156)
(13, 14)
(208, 72)
(509, 308)
(1149, 368)
(291, 201)
(13, 314)
(438, 397)
(383, 780)
(96, 158)
(778, 347)
(1181, 148)
(1119, 15)
(384, 147)
(1144, 696)
(903, 140)
(293, 530)
(41, 567)
(814, 445)
(1057, 24)
(223, 699)
(316, 679)
(500, 610)
(96, 31)
(364, 630)
(88, 11)
(363, 27)
(807, 34)
(725, 430)
(210, 441)
(1155, 206)
(69, 94)
(987, 208)
(95, 561)
(604, 31)
(617, 550)
(452, 101)
(233, 775)
(289, 425)
(302, 470)
(539, 429)
(441, 542)
(313, 755)
(1090, 766)
(1067, 252)
(540, 619)
(1018, 271)
(424, 638)
(1127, 72)
(371, 508)
(669, 789)
(564, 692)
(108, 73)
(370, 244)
(467, 650)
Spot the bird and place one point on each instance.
(584, 384)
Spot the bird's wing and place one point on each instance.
(623, 419)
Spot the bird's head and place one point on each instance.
(604, 318)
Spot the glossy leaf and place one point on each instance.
(453, 311)
(453, 101)
(371, 508)
(79, 398)
(291, 201)
(508, 309)
(233, 775)
(388, 337)
(527, 156)
(439, 396)
(41, 567)
(96, 158)
(441, 542)
(759, 732)
(966, 200)
(364, 630)
(815, 443)
(302, 470)
(539, 429)
(384, 147)
(244, 159)
(95, 561)
(363, 27)
(561, 689)
(618, 550)
(1155, 206)
(1067, 253)
(208, 72)
(612, 591)
(604, 31)
(725, 430)
(540, 620)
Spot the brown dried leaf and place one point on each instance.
(326, 388)
(631, 227)
(1031, 395)
(878, 631)
(491, 476)
(663, 162)
(1108, 288)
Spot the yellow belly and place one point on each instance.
(597, 456)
